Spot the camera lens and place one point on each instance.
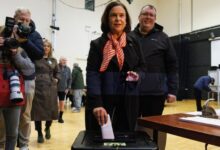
(11, 43)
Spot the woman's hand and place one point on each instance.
(132, 76)
(101, 115)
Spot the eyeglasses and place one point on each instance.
(146, 14)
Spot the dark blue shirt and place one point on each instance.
(203, 83)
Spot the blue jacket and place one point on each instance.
(203, 83)
(33, 47)
(34, 44)
(65, 78)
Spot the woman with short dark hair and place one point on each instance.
(113, 73)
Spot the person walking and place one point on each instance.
(63, 86)
(45, 106)
(77, 87)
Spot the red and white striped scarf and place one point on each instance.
(113, 47)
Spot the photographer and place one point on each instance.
(14, 66)
(33, 46)
(31, 42)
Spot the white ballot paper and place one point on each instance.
(107, 131)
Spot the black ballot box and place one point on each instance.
(123, 141)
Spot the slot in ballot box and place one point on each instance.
(87, 140)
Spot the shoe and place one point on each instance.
(24, 148)
(60, 120)
(40, 139)
(75, 110)
(47, 135)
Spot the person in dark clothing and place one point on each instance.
(202, 84)
(161, 74)
(77, 87)
(113, 73)
(161, 78)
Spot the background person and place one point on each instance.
(202, 84)
(114, 58)
(161, 74)
(63, 86)
(77, 87)
(45, 106)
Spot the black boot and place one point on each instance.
(60, 120)
(47, 135)
(40, 138)
(47, 129)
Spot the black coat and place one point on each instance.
(109, 89)
(161, 76)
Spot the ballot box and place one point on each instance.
(123, 141)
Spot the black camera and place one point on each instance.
(23, 30)
(11, 43)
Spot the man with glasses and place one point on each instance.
(161, 78)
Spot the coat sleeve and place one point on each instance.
(206, 84)
(23, 63)
(34, 46)
(69, 80)
(93, 76)
(171, 65)
(56, 71)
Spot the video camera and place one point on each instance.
(23, 31)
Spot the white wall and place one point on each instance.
(182, 16)
(205, 13)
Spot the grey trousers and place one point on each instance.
(9, 120)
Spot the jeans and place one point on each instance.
(198, 97)
(10, 117)
(77, 98)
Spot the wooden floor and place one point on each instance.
(64, 134)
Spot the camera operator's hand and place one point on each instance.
(2, 41)
(16, 36)
(14, 51)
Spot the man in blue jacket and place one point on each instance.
(33, 46)
(202, 84)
